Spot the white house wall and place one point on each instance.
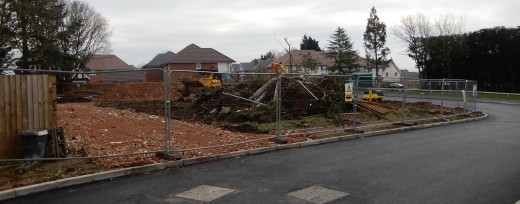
(390, 74)
(224, 67)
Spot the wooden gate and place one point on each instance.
(26, 102)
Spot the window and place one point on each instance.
(198, 66)
(386, 74)
(396, 74)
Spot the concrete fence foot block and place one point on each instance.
(171, 156)
(279, 140)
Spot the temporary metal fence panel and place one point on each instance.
(157, 110)
(317, 104)
(102, 115)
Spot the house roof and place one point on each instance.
(107, 62)
(299, 55)
(243, 66)
(195, 54)
(252, 66)
(321, 57)
(160, 59)
(258, 64)
(387, 63)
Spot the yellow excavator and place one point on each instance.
(195, 86)
(278, 67)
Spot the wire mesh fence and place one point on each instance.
(121, 118)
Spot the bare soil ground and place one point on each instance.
(130, 119)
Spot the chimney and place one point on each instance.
(255, 62)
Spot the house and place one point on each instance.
(195, 58)
(296, 64)
(116, 71)
(255, 65)
(388, 69)
(158, 62)
(300, 57)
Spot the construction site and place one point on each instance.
(127, 123)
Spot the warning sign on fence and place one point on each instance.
(348, 91)
(464, 95)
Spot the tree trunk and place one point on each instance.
(263, 89)
(261, 97)
(275, 97)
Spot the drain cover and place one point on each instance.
(318, 195)
(205, 193)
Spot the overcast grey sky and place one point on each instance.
(245, 29)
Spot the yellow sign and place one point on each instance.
(348, 92)
(464, 95)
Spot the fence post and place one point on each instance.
(404, 100)
(430, 85)
(167, 107)
(167, 154)
(354, 102)
(466, 97)
(278, 97)
(442, 99)
(475, 98)
(278, 104)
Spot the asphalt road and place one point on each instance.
(477, 162)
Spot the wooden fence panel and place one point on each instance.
(26, 102)
(3, 128)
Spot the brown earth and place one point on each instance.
(92, 130)
(97, 131)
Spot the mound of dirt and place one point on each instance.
(138, 92)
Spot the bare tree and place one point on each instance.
(84, 33)
(88, 33)
(290, 54)
(414, 30)
(449, 24)
(287, 49)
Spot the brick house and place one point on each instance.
(157, 62)
(192, 58)
(104, 63)
(387, 69)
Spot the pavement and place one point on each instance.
(462, 163)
